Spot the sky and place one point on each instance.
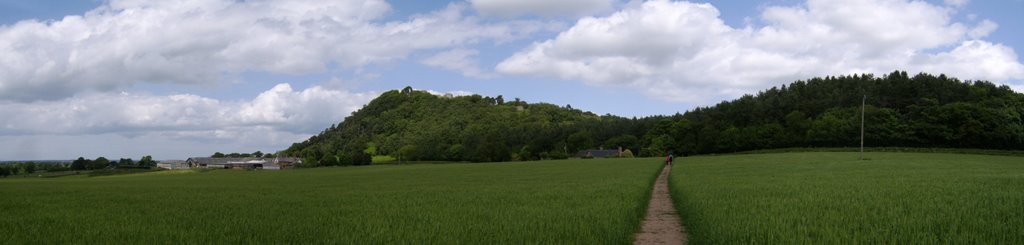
(174, 79)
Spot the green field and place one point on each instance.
(832, 198)
(782, 198)
(548, 202)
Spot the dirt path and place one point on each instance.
(661, 226)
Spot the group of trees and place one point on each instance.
(919, 111)
(29, 167)
(102, 162)
(902, 111)
(257, 154)
(15, 168)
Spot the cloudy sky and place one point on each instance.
(172, 79)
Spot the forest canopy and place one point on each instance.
(902, 111)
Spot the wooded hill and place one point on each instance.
(902, 111)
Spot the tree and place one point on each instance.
(526, 154)
(580, 140)
(406, 153)
(626, 141)
(660, 146)
(99, 163)
(79, 164)
(329, 160)
(309, 161)
(147, 161)
(456, 152)
(492, 151)
(257, 154)
(30, 167)
(796, 124)
(217, 155)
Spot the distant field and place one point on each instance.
(815, 198)
(548, 202)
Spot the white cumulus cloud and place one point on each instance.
(280, 109)
(200, 41)
(683, 51)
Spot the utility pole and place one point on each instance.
(862, 108)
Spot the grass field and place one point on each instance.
(548, 202)
(830, 198)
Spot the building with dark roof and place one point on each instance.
(598, 153)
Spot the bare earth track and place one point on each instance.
(661, 225)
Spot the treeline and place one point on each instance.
(257, 154)
(919, 111)
(29, 167)
(902, 111)
(102, 162)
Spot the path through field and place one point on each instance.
(661, 226)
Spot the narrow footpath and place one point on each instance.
(661, 225)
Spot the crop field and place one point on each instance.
(816, 198)
(549, 202)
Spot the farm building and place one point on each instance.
(172, 164)
(599, 153)
(244, 163)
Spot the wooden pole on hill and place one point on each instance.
(862, 108)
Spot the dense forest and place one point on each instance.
(903, 111)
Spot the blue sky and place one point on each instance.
(174, 79)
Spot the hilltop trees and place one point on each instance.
(919, 111)
(416, 125)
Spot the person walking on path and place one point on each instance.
(668, 160)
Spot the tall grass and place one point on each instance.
(548, 202)
(832, 198)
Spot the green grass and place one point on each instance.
(891, 149)
(548, 202)
(830, 198)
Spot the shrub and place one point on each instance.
(627, 154)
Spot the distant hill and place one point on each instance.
(416, 125)
(919, 111)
